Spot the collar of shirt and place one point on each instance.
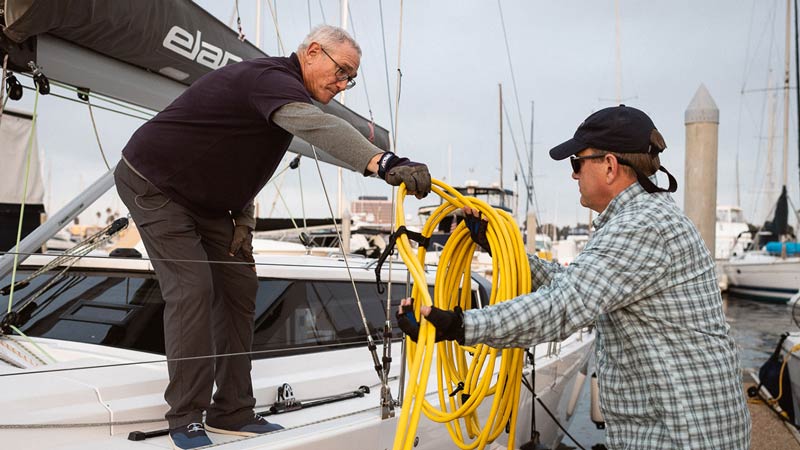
(619, 201)
(296, 61)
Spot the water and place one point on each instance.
(755, 327)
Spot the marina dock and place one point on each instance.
(769, 432)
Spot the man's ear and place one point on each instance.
(313, 49)
(612, 168)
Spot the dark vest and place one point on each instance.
(215, 146)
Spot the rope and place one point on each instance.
(283, 200)
(454, 371)
(19, 354)
(24, 198)
(19, 332)
(96, 134)
(547, 410)
(302, 195)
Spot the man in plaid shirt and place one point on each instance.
(667, 367)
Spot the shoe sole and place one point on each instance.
(175, 447)
(229, 432)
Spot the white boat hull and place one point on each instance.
(42, 406)
(763, 277)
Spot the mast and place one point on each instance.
(770, 190)
(797, 75)
(529, 186)
(500, 88)
(258, 23)
(786, 95)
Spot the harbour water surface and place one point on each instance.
(755, 326)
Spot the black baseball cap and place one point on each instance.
(619, 129)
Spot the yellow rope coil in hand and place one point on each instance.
(465, 375)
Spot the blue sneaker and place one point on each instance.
(189, 436)
(251, 427)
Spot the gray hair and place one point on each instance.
(328, 36)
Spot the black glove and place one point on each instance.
(449, 324)
(242, 241)
(477, 230)
(396, 170)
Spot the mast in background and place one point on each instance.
(787, 65)
(500, 88)
(529, 185)
(343, 7)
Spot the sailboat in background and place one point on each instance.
(770, 270)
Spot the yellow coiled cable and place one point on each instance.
(463, 382)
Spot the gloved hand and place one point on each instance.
(449, 324)
(476, 225)
(242, 241)
(396, 170)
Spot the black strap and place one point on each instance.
(652, 188)
(413, 235)
(648, 185)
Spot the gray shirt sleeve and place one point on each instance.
(247, 216)
(328, 132)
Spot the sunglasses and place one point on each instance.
(576, 163)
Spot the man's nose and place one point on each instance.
(575, 175)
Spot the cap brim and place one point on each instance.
(567, 149)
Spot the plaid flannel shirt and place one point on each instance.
(667, 367)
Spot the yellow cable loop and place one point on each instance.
(472, 366)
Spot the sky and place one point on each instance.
(453, 56)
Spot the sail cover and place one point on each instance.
(175, 41)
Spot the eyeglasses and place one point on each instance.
(341, 74)
(576, 161)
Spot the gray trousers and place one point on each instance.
(209, 307)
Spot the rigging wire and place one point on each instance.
(310, 25)
(361, 68)
(70, 99)
(386, 69)
(24, 198)
(511, 67)
(274, 14)
(371, 343)
(519, 161)
(186, 358)
(768, 32)
(145, 258)
(104, 98)
(322, 12)
(399, 80)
